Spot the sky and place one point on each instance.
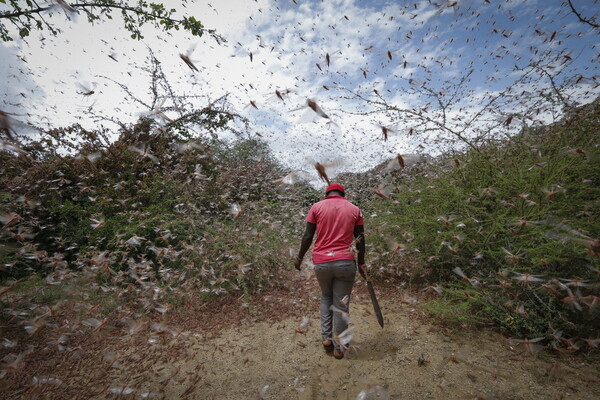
(382, 77)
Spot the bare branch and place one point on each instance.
(126, 90)
(581, 18)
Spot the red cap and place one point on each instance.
(335, 186)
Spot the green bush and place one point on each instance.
(501, 212)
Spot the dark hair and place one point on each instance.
(335, 192)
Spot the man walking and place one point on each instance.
(337, 223)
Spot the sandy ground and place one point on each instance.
(272, 360)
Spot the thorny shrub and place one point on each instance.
(507, 234)
(152, 206)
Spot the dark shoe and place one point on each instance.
(338, 354)
(328, 345)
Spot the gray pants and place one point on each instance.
(336, 279)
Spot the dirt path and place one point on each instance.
(185, 358)
(273, 361)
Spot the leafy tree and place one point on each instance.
(29, 15)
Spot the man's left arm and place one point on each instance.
(359, 234)
(307, 239)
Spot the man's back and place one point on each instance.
(335, 218)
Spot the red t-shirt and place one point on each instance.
(335, 218)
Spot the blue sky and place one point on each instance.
(426, 70)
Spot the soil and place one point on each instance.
(257, 348)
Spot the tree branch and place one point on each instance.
(159, 13)
(21, 13)
(584, 20)
(418, 115)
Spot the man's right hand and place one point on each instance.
(362, 269)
